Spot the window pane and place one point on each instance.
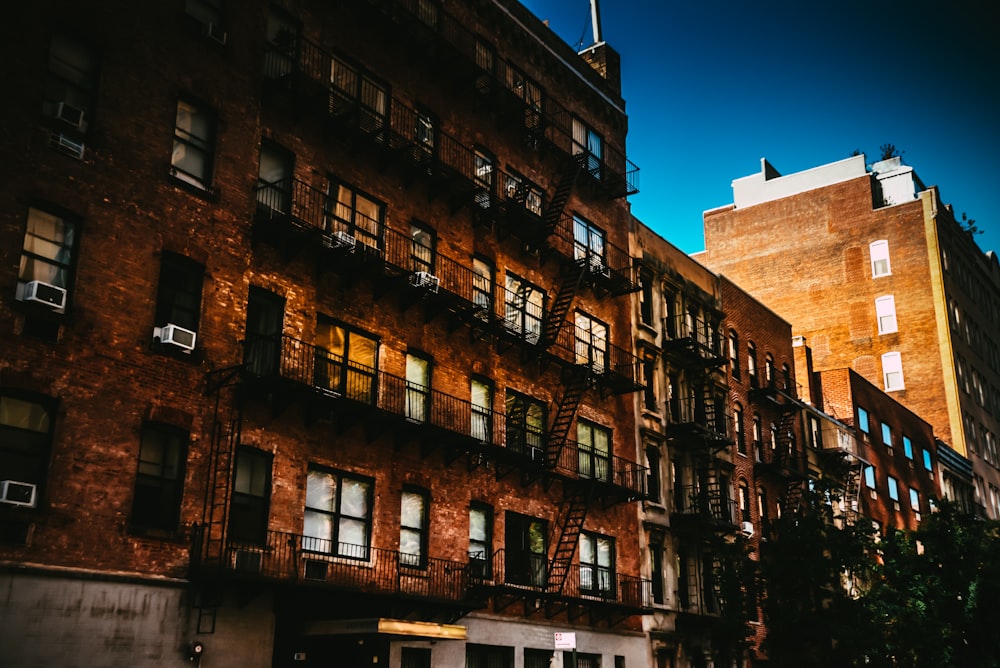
(354, 498)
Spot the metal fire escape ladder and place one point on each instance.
(570, 280)
(787, 455)
(852, 491)
(557, 203)
(575, 382)
(575, 512)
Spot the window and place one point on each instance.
(251, 493)
(418, 387)
(885, 313)
(863, 426)
(758, 436)
(282, 48)
(346, 361)
(421, 248)
(649, 384)
(524, 193)
(752, 365)
(653, 473)
(597, 565)
(338, 516)
(194, 144)
(879, 251)
(886, 435)
(588, 245)
(480, 539)
(414, 657)
(769, 370)
(357, 214)
(482, 410)
(594, 444)
(26, 427)
(425, 133)
(484, 178)
(591, 342)
(656, 571)
(159, 478)
(646, 298)
(528, 91)
(927, 460)
(482, 288)
(907, 447)
(538, 658)
(524, 308)
(525, 425)
(894, 491)
(488, 656)
(734, 354)
(178, 298)
(70, 85)
(815, 433)
(744, 501)
(870, 477)
(582, 660)
(525, 549)
(47, 260)
(274, 180)
(413, 528)
(892, 372)
(738, 427)
(265, 316)
(588, 148)
(914, 500)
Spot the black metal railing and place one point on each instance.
(706, 414)
(692, 341)
(528, 573)
(710, 502)
(301, 559)
(332, 378)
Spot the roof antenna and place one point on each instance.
(595, 19)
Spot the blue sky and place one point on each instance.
(713, 86)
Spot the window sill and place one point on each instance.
(195, 357)
(206, 193)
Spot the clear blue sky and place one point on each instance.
(713, 86)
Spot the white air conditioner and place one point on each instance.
(17, 493)
(175, 336)
(422, 279)
(69, 114)
(341, 239)
(42, 293)
(64, 144)
(747, 528)
(215, 32)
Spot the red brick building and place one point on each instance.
(317, 338)
(878, 277)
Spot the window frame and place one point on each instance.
(30, 445)
(878, 251)
(336, 515)
(591, 338)
(164, 512)
(892, 365)
(885, 314)
(527, 435)
(254, 503)
(62, 269)
(179, 292)
(481, 413)
(410, 532)
(344, 214)
(340, 372)
(527, 319)
(481, 566)
(602, 576)
(594, 463)
(588, 148)
(204, 146)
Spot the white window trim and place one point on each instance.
(892, 363)
(879, 250)
(885, 308)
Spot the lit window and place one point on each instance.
(879, 251)
(413, 528)
(482, 410)
(594, 446)
(885, 312)
(194, 144)
(588, 148)
(588, 244)
(524, 308)
(892, 372)
(597, 559)
(47, 258)
(480, 539)
(338, 518)
(26, 425)
(525, 425)
(591, 345)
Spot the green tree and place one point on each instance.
(934, 599)
(812, 570)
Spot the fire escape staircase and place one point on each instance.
(575, 383)
(559, 199)
(570, 280)
(574, 512)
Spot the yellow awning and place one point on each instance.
(381, 625)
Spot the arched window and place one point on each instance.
(734, 353)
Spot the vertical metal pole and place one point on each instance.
(595, 19)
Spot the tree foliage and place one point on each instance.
(835, 597)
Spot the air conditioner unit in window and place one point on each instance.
(64, 144)
(175, 336)
(341, 239)
(17, 493)
(597, 266)
(42, 293)
(422, 279)
(69, 114)
(246, 561)
(215, 32)
(747, 529)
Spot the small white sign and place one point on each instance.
(565, 640)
